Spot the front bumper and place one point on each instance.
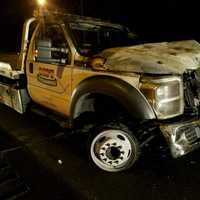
(183, 137)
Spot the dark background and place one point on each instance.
(153, 20)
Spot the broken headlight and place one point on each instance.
(165, 94)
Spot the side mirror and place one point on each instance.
(49, 54)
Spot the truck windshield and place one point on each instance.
(93, 38)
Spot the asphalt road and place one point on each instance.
(54, 166)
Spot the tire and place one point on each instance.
(113, 147)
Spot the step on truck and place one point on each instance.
(96, 76)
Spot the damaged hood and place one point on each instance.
(154, 58)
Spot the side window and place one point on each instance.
(51, 45)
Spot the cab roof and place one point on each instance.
(78, 19)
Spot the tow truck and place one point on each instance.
(95, 76)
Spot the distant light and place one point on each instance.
(41, 2)
(60, 162)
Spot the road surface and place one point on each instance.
(64, 170)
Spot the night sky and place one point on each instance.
(153, 20)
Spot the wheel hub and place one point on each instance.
(113, 153)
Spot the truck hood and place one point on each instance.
(154, 58)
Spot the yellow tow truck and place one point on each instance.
(95, 76)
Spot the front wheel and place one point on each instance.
(114, 148)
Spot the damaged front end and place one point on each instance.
(184, 136)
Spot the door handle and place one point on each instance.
(31, 68)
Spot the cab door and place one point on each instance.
(49, 68)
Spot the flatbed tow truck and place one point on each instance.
(95, 76)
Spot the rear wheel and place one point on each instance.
(113, 147)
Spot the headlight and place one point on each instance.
(165, 94)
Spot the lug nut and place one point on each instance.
(108, 144)
(114, 144)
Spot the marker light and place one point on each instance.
(41, 2)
